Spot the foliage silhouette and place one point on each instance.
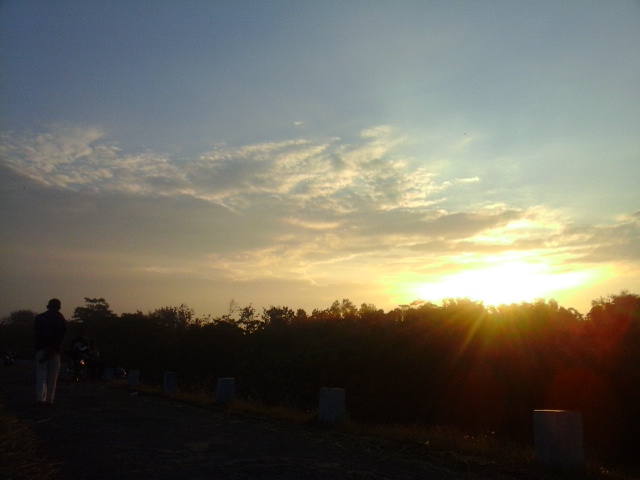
(481, 369)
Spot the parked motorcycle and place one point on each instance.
(79, 361)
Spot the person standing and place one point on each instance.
(50, 328)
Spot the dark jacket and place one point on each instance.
(50, 329)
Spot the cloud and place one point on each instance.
(607, 243)
(302, 172)
(312, 211)
(73, 159)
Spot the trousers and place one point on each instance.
(46, 376)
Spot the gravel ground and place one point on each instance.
(94, 431)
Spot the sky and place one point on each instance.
(294, 153)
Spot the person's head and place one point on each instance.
(54, 304)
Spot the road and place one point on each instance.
(95, 431)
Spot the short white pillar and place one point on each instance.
(133, 378)
(169, 382)
(225, 390)
(558, 440)
(331, 405)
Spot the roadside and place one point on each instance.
(95, 431)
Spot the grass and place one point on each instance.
(449, 450)
(19, 452)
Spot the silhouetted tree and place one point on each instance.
(173, 317)
(19, 318)
(94, 310)
(483, 369)
(16, 332)
(278, 316)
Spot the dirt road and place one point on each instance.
(99, 432)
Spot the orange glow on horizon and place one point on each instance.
(503, 281)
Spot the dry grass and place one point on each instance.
(450, 451)
(19, 452)
(274, 412)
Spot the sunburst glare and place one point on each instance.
(505, 280)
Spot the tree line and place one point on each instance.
(461, 363)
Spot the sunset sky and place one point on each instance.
(294, 153)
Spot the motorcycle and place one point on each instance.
(79, 362)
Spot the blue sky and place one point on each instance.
(296, 153)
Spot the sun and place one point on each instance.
(502, 281)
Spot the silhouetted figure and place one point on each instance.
(6, 357)
(50, 329)
(96, 366)
(80, 343)
(79, 353)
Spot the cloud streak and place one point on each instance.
(315, 212)
(301, 171)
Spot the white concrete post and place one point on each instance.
(558, 440)
(331, 405)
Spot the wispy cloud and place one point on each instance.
(300, 171)
(302, 210)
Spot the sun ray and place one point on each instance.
(503, 279)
